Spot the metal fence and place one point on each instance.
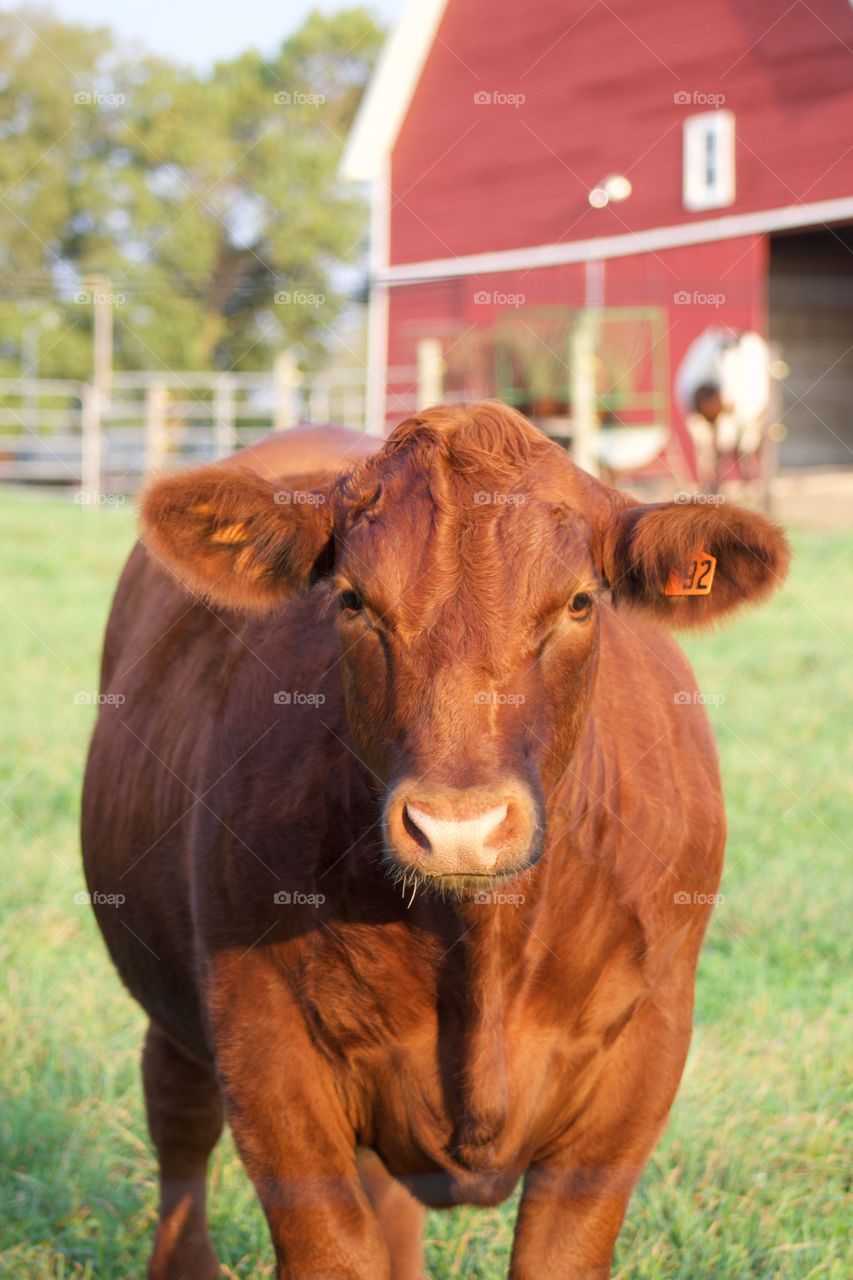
(66, 433)
(110, 440)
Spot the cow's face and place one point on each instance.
(467, 599)
(468, 565)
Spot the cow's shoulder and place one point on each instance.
(646, 776)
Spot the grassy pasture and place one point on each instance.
(750, 1178)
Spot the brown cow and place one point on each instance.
(418, 821)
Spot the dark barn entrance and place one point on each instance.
(811, 327)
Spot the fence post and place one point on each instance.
(584, 423)
(430, 372)
(224, 430)
(91, 445)
(155, 428)
(353, 412)
(318, 402)
(287, 380)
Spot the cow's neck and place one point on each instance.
(508, 950)
(481, 982)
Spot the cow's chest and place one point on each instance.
(459, 1068)
(464, 1126)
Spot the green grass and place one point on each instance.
(749, 1180)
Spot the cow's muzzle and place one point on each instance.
(461, 838)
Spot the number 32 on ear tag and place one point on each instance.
(698, 579)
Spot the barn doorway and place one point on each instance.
(811, 327)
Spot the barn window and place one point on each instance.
(709, 160)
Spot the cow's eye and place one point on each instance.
(351, 601)
(580, 606)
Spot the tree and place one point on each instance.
(231, 190)
(53, 212)
(211, 201)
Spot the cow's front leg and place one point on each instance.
(295, 1140)
(568, 1222)
(574, 1200)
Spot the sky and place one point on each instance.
(201, 31)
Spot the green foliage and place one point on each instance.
(749, 1180)
(211, 201)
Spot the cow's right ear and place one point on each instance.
(236, 539)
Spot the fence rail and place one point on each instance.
(72, 434)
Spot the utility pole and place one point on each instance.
(29, 373)
(100, 289)
(97, 399)
(287, 380)
(30, 342)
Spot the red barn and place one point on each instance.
(680, 167)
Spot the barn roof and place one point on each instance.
(394, 81)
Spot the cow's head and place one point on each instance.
(469, 562)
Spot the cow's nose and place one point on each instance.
(457, 834)
(462, 841)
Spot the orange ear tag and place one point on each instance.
(697, 581)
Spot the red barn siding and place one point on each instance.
(599, 84)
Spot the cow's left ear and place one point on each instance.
(236, 539)
(689, 564)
